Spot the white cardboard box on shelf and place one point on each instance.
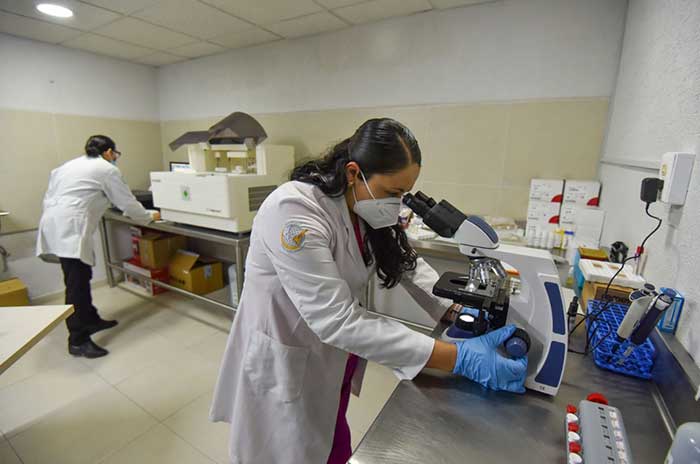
(588, 227)
(569, 212)
(547, 190)
(543, 212)
(585, 221)
(542, 216)
(582, 192)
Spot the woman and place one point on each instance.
(301, 337)
(79, 193)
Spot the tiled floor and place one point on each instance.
(147, 402)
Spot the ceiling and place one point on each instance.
(159, 32)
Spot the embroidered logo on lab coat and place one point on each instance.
(293, 237)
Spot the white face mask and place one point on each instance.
(378, 213)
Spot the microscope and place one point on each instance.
(486, 291)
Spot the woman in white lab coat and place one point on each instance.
(302, 336)
(79, 193)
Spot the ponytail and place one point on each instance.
(98, 144)
(327, 173)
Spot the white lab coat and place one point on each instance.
(300, 314)
(79, 193)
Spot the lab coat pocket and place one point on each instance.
(275, 369)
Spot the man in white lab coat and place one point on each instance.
(79, 193)
(302, 335)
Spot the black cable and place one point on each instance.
(602, 339)
(608, 301)
(571, 350)
(658, 226)
(605, 296)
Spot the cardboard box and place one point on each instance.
(548, 190)
(589, 227)
(568, 215)
(137, 231)
(586, 221)
(135, 249)
(596, 290)
(570, 212)
(582, 192)
(149, 288)
(195, 273)
(542, 218)
(540, 212)
(13, 292)
(155, 250)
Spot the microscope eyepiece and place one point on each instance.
(425, 199)
(416, 204)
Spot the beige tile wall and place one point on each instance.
(480, 157)
(34, 143)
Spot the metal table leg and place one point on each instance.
(241, 253)
(106, 254)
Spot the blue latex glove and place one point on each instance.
(479, 360)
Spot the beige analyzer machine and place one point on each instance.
(232, 172)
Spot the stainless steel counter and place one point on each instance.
(440, 418)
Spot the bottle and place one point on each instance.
(530, 237)
(570, 247)
(684, 448)
(551, 239)
(669, 321)
(573, 310)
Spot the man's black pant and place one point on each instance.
(77, 275)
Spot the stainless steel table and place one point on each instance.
(440, 418)
(230, 242)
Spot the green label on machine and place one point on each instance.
(185, 192)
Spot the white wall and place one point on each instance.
(656, 108)
(36, 76)
(39, 77)
(41, 278)
(507, 50)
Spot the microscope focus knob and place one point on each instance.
(518, 344)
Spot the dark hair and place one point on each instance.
(98, 144)
(379, 146)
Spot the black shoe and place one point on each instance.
(88, 349)
(101, 325)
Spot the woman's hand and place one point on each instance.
(479, 360)
(155, 216)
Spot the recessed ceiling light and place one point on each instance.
(52, 9)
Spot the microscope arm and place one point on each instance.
(468, 231)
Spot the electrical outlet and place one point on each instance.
(676, 171)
